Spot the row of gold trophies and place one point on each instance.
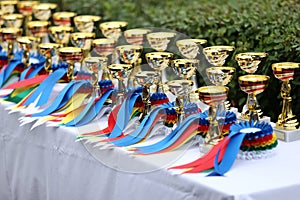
(37, 33)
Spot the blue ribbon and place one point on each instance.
(35, 67)
(90, 111)
(63, 97)
(235, 140)
(45, 88)
(172, 137)
(142, 130)
(123, 116)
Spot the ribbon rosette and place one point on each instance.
(222, 156)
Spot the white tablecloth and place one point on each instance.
(48, 164)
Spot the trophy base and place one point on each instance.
(287, 135)
(264, 118)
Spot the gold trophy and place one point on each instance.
(8, 37)
(185, 68)
(213, 96)
(181, 89)
(84, 41)
(159, 61)
(85, 23)
(146, 79)
(190, 48)
(287, 126)
(38, 29)
(104, 48)
(94, 64)
(13, 20)
(130, 54)
(42, 11)
(113, 30)
(8, 6)
(63, 18)
(26, 43)
(60, 34)
(249, 63)
(253, 85)
(71, 55)
(120, 72)
(219, 75)
(48, 50)
(136, 36)
(25, 8)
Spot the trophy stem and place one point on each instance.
(287, 119)
(214, 133)
(180, 110)
(121, 91)
(146, 101)
(26, 58)
(48, 64)
(251, 103)
(96, 87)
(10, 53)
(70, 72)
(159, 86)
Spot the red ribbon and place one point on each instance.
(27, 82)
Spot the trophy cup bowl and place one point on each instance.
(95, 64)
(285, 72)
(48, 50)
(83, 40)
(85, 23)
(63, 18)
(9, 36)
(159, 60)
(129, 54)
(8, 6)
(159, 41)
(249, 61)
(220, 75)
(213, 96)
(25, 7)
(120, 72)
(103, 46)
(70, 55)
(113, 30)
(189, 48)
(136, 36)
(13, 20)
(253, 85)
(26, 43)
(60, 34)
(185, 68)
(146, 78)
(38, 29)
(42, 11)
(216, 55)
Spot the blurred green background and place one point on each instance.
(271, 26)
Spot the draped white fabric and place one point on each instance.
(48, 164)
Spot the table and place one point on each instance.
(48, 164)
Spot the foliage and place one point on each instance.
(271, 26)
